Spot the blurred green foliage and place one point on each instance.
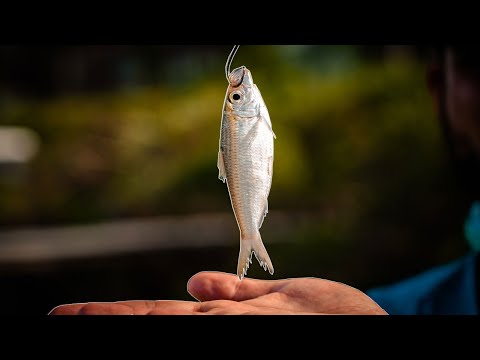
(153, 150)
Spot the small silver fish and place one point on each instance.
(245, 163)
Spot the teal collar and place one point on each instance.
(472, 227)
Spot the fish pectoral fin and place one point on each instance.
(222, 175)
(269, 126)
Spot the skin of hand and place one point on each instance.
(224, 294)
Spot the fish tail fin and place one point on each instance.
(248, 247)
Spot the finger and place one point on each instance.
(206, 286)
(66, 309)
(105, 309)
(140, 307)
(134, 307)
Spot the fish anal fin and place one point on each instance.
(265, 212)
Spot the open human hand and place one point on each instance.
(224, 294)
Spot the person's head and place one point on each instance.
(454, 82)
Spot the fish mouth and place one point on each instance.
(235, 78)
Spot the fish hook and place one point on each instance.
(230, 60)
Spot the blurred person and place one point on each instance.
(453, 78)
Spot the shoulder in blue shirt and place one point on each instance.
(444, 290)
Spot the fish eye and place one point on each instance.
(236, 96)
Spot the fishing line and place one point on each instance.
(230, 60)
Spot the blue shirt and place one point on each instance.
(444, 290)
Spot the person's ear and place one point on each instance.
(435, 82)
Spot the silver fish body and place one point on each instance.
(245, 163)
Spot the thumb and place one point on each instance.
(208, 285)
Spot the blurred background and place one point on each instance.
(109, 185)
